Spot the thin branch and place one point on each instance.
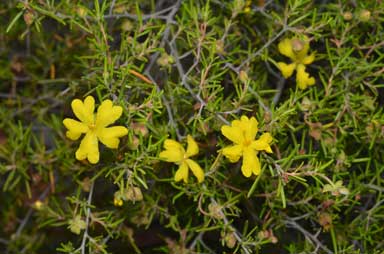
(29, 214)
(311, 238)
(88, 214)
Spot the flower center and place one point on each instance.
(247, 142)
(92, 126)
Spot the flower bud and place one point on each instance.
(38, 205)
(325, 220)
(81, 11)
(77, 224)
(220, 47)
(243, 76)
(347, 16)
(306, 104)
(127, 26)
(117, 202)
(29, 17)
(365, 16)
(230, 239)
(165, 60)
(238, 6)
(297, 45)
(133, 194)
(215, 211)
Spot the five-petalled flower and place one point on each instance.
(243, 133)
(94, 126)
(297, 50)
(174, 152)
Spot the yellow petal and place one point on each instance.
(89, 104)
(174, 152)
(251, 163)
(73, 135)
(263, 143)
(244, 123)
(110, 136)
(251, 129)
(286, 69)
(75, 128)
(182, 173)
(302, 77)
(192, 147)
(309, 59)
(170, 144)
(233, 153)
(233, 133)
(244, 119)
(196, 170)
(107, 114)
(285, 48)
(84, 111)
(238, 123)
(89, 148)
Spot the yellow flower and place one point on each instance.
(94, 126)
(174, 152)
(243, 133)
(297, 50)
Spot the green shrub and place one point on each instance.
(309, 72)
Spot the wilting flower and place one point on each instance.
(174, 152)
(297, 50)
(94, 126)
(243, 133)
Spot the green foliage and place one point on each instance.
(183, 68)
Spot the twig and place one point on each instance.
(88, 213)
(236, 233)
(29, 214)
(169, 18)
(311, 238)
(155, 15)
(3, 241)
(258, 52)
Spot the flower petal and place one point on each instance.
(238, 123)
(262, 144)
(192, 147)
(309, 59)
(170, 144)
(89, 104)
(107, 114)
(182, 173)
(73, 135)
(89, 148)
(233, 153)
(285, 48)
(75, 128)
(84, 111)
(233, 133)
(110, 136)
(286, 69)
(196, 170)
(302, 77)
(174, 152)
(251, 129)
(251, 163)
